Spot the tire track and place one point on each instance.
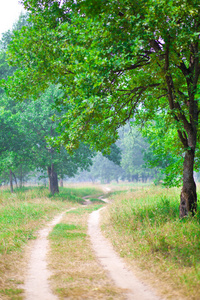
(123, 278)
(36, 282)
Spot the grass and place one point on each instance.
(77, 274)
(142, 222)
(96, 200)
(145, 227)
(21, 215)
(88, 209)
(19, 212)
(76, 194)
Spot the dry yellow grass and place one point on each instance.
(13, 263)
(77, 273)
(152, 267)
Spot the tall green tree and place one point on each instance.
(15, 144)
(116, 59)
(38, 118)
(15, 148)
(25, 128)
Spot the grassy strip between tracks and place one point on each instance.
(21, 215)
(77, 274)
(145, 229)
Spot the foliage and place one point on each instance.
(114, 154)
(16, 145)
(15, 149)
(108, 73)
(37, 119)
(163, 152)
(25, 128)
(114, 63)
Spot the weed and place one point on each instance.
(11, 291)
(85, 209)
(64, 231)
(96, 200)
(62, 226)
(76, 194)
(148, 229)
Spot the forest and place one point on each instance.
(98, 67)
(103, 95)
(28, 156)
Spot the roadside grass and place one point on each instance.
(76, 272)
(96, 200)
(21, 215)
(145, 229)
(77, 193)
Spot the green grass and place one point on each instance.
(62, 230)
(21, 215)
(72, 231)
(22, 194)
(86, 209)
(76, 194)
(62, 226)
(155, 219)
(28, 205)
(11, 291)
(16, 219)
(96, 200)
(149, 221)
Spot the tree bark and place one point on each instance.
(188, 133)
(61, 182)
(11, 182)
(188, 201)
(53, 180)
(15, 178)
(21, 177)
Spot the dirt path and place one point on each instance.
(36, 283)
(117, 269)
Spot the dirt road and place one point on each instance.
(115, 266)
(36, 283)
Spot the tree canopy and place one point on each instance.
(115, 60)
(27, 129)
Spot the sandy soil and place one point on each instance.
(36, 283)
(115, 266)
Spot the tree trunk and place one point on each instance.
(15, 178)
(21, 177)
(53, 180)
(61, 182)
(188, 201)
(11, 182)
